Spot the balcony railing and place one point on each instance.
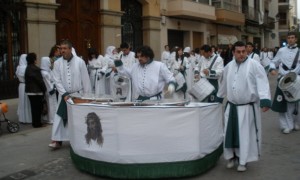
(202, 1)
(190, 9)
(227, 4)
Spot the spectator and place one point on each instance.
(35, 89)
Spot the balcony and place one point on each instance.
(228, 13)
(250, 13)
(269, 23)
(283, 5)
(190, 10)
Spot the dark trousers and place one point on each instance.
(36, 103)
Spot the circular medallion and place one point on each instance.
(279, 98)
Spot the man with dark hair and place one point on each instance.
(70, 76)
(246, 86)
(228, 55)
(250, 53)
(286, 60)
(148, 76)
(210, 67)
(127, 56)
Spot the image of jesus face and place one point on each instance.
(94, 129)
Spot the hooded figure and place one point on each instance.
(110, 56)
(50, 95)
(24, 109)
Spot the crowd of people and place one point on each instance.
(238, 74)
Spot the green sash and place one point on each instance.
(232, 137)
(62, 109)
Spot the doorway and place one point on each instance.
(11, 46)
(78, 21)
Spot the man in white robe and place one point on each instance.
(251, 54)
(246, 87)
(286, 60)
(210, 67)
(165, 55)
(265, 58)
(148, 76)
(70, 76)
(128, 59)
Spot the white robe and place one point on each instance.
(174, 68)
(241, 84)
(110, 55)
(24, 108)
(165, 56)
(218, 67)
(128, 61)
(93, 66)
(255, 56)
(286, 56)
(149, 79)
(49, 82)
(69, 77)
(100, 76)
(266, 58)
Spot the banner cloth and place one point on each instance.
(145, 134)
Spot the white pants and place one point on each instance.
(288, 120)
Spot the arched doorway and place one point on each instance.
(132, 23)
(11, 46)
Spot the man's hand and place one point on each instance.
(206, 72)
(66, 98)
(265, 109)
(273, 72)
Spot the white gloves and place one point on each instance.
(171, 89)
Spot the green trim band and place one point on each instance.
(118, 63)
(265, 103)
(147, 170)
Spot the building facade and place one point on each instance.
(37, 25)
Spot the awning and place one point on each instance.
(227, 39)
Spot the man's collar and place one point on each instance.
(242, 61)
(292, 46)
(69, 58)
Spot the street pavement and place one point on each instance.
(25, 154)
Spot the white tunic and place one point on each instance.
(128, 60)
(165, 56)
(49, 82)
(69, 77)
(266, 58)
(218, 67)
(149, 79)
(255, 56)
(286, 56)
(175, 69)
(241, 84)
(24, 108)
(93, 65)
